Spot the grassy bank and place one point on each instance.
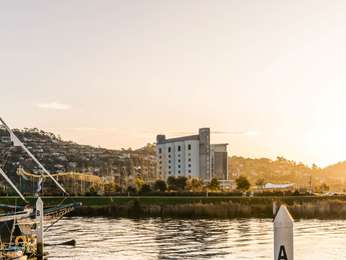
(201, 207)
(300, 208)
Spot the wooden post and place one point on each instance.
(283, 235)
(39, 228)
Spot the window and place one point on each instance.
(189, 171)
(179, 148)
(169, 167)
(160, 157)
(169, 161)
(190, 165)
(169, 149)
(179, 166)
(189, 146)
(160, 150)
(169, 172)
(189, 160)
(178, 171)
(160, 162)
(178, 155)
(179, 160)
(169, 156)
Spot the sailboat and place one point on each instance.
(19, 222)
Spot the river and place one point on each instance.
(146, 239)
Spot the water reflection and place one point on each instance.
(100, 238)
(183, 239)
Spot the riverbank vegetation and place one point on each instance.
(184, 206)
(219, 207)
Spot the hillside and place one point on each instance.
(282, 170)
(66, 156)
(124, 165)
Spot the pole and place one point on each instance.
(275, 208)
(283, 235)
(39, 228)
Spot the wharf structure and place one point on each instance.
(192, 156)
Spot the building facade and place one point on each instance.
(219, 161)
(191, 156)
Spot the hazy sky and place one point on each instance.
(268, 76)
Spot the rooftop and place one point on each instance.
(177, 139)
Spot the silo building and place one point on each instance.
(191, 156)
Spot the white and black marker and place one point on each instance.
(283, 235)
(39, 228)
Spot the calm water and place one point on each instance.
(100, 238)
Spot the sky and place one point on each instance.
(267, 76)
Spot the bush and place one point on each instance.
(214, 185)
(131, 189)
(243, 183)
(145, 188)
(171, 182)
(160, 185)
(181, 182)
(92, 191)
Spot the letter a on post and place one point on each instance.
(282, 253)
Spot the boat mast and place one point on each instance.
(17, 142)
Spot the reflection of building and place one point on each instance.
(200, 237)
(191, 156)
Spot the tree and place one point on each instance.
(160, 185)
(214, 184)
(195, 184)
(109, 188)
(243, 183)
(145, 188)
(181, 183)
(324, 187)
(131, 189)
(92, 191)
(260, 183)
(138, 182)
(172, 183)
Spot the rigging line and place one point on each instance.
(17, 142)
(63, 201)
(12, 185)
(5, 155)
(51, 225)
(14, 222)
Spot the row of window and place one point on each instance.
(179, 148)
(179, 166)
(169, 156)
(169, 172)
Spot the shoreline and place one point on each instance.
(327, 209)
(194, 207)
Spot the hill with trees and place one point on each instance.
(133, 167)
(281, 170)
(59, 156)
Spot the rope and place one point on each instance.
(51, 225)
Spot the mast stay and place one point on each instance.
(12, 185)
(17, 142)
